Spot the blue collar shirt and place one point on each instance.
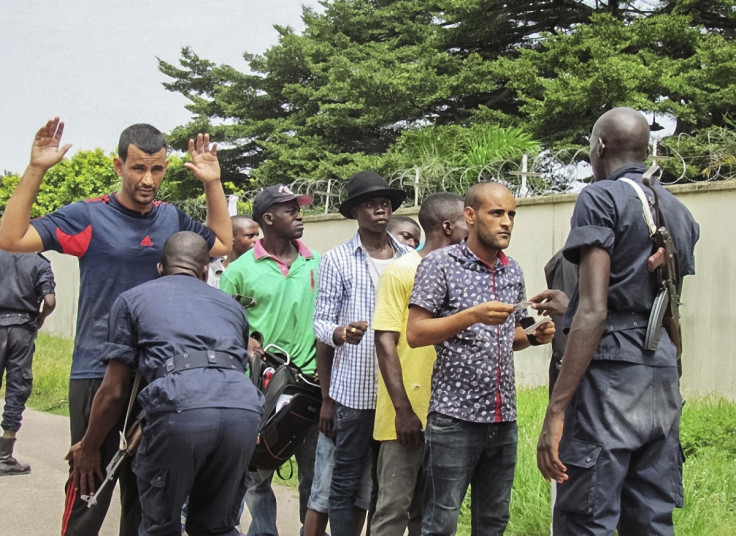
(608, 215)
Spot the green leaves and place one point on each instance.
(498, 143)
(365, 73)
(85, 175)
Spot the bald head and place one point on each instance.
(619, 137)
(442, 217)
(476, 194)
(490, 209)
(185, 253)
(245, 234)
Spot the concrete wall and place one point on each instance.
(542, 224)
(63, 320)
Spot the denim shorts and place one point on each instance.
(319, 499)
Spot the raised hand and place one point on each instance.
(45, 151)
(204, 164)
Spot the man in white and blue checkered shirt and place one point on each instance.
(348, 280)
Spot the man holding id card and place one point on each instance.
(463, 302)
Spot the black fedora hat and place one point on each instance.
(366, 185)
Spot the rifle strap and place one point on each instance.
(123, 445)
(645, 209)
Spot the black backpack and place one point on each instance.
(292, 406)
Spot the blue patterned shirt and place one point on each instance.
(346, 294)
(473, 377)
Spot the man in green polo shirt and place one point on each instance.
(279, 277)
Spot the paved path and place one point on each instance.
(32, 504)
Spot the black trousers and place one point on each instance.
(16, 360)
(78, 520)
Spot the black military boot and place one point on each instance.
(8, 464)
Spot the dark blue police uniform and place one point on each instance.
(188, 341)
(24, 280)
(118, 248)
(621, 440)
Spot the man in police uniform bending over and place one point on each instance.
(202, 411)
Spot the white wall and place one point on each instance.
(542, 224)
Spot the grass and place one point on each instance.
(51, 364)
(708, 437)
(708, 433)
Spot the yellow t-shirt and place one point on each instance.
(391, 314)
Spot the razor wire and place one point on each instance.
(546, 173)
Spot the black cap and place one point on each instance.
(279, 193)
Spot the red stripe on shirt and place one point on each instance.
(74, 244)
(497, 412)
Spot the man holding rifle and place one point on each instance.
(611, 432)
(202, 412)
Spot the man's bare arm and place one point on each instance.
(206, 168)
(583, 339)
(408, 425)
(423, 329)
(325, 356)
(108, 405)
(16, 232)
(49, 304)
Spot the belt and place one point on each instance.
(620, 321)
(202, 359)
(29, 316)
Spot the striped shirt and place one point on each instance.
(347, 294)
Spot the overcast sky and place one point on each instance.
(93, 63)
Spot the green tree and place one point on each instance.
(662, 64)
(85, 175)
(338, 97)
(332, 100)
(90, 174)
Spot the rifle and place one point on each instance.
(666, 309)
(128, 445)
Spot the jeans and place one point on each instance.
(261, 500)
(461, 453)
(400, 481)
(324, 463)
(353, 435)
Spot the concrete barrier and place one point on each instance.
(542, 224)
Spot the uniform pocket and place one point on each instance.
(578, 494)
(152, 480)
